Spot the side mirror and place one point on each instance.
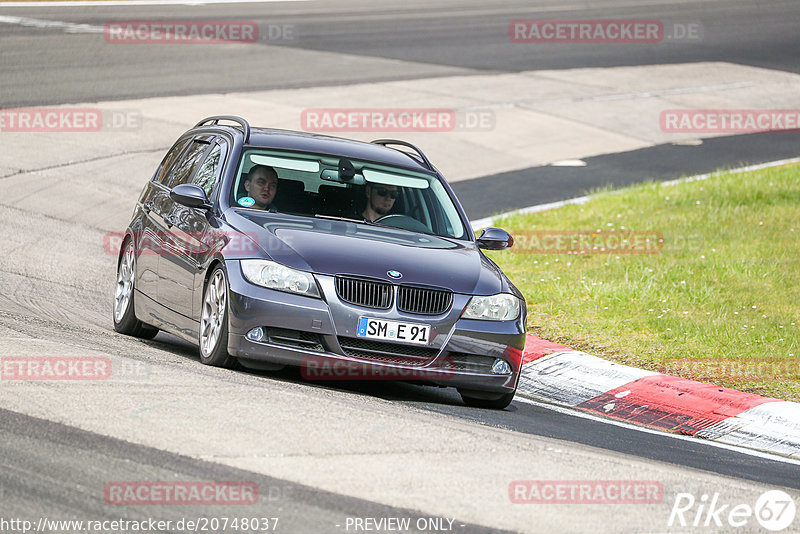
(495, 239)
(190, 195)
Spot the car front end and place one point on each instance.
(349, 301)
(351, 330)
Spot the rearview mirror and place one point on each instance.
(495, 239)
(333, 175)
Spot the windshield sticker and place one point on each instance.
(246, 202)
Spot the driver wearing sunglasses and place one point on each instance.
(380, 199)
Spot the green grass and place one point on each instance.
(719, 303)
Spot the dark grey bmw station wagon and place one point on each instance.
(272, 248)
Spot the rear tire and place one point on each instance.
(214, 322)
(124, 314)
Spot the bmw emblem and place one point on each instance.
(395, 274)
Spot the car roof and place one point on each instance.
(326, 144)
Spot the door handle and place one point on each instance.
(171, 221)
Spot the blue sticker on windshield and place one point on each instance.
(246, 202)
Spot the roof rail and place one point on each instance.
(422, 156)
(216, 118)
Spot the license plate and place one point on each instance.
(419, 334)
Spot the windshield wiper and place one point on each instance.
(348, 219)
(373, 223)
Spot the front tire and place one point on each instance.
(214, 322)
(125, 321)
(493, 404)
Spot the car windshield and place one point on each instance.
(325, 186)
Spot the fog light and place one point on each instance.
(501, 367)
(256, 334)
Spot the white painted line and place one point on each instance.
(733, 171)
(687, 142)
(87, 3)
(490, 221)
(576, 413)
(69, 27)
(569, 163)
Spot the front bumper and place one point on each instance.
(319, 335)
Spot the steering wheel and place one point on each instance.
(398, 220)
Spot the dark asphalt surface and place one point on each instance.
(53, 65)
(44, 66)
(60, 472)
(45, 464)
(534, 420)
(537, 421)
(491, 195)
(52, 470)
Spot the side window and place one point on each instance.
(209, 171)
(191, 160)
(169, 161)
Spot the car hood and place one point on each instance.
(342, 247)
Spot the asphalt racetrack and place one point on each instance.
(347, 457)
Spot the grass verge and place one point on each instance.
(699, 279)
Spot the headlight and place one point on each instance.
(500, 307)
(275, 276)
